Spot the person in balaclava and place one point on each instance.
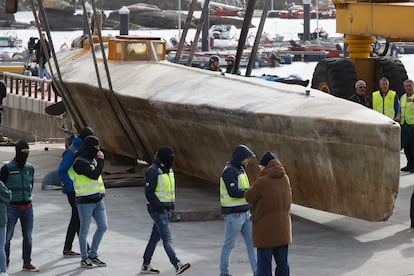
(235, 209)
(160, 194)
(89, 194)
(64, 165)
(18, 177)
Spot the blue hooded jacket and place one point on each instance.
(230, 175)
(67, 161)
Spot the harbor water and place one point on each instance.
(324, 244)
(288, 28)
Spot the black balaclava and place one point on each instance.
(85, 132)
(88, 148)
(21, 157)
(166, 155)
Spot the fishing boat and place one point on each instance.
(296, 12)
(12, 53)
(224, 8)
(315, 51)
(340, 156)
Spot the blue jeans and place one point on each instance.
(160, 230)
(42, 72)
(26, 222)
(264, 261)
(233, 225)
(87, 211)
(2, 249)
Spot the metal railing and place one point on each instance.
(29, 86)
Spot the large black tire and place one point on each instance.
(393, 70)
(335, 76)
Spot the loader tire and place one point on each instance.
(393, 70)
(335, 76)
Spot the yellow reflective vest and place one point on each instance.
(407, 110)
(85, 186)
(165, 189)
(225, 199)
(384, 105)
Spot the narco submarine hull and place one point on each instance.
(340, 156)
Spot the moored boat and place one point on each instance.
(341, 157)
(13, 55)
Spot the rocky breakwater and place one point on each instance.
(151, 16)
(8, 20)
(141, 15)
(5, 19)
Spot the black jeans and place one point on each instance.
(74, 224)
(407, 142)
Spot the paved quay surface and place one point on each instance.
(323, 243)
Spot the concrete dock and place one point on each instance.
(324, 244)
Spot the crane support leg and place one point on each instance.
(359, 46)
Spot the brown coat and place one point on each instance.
(270, 197)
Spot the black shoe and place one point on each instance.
(97, 262)
(406, 169)
(148, 269)
(180, 268)
(411, 170)
(86, 264)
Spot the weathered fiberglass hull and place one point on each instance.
(341, 157)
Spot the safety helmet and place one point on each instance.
(214, 58)
(230, 58)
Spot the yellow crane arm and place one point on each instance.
(388, 20)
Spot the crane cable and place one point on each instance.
(78, 120)
(108, 101)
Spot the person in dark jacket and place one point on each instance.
(160, 194)
(5, 197)
(64, 166)
(230, 65)
(270, 198)
(42, 56)
(18, 176)
(214, 64)
(235, 209)
(89, 194)
(359, 96)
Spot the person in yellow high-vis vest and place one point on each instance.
(407, 134)
(235, 209)
(89, 193)
(386, 101)
(68, 189)
(160, 194)
(407, 125)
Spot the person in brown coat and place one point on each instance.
(270, 198)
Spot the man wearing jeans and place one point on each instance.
(64, 166)
(235, 209)
(18, 177)
(42, 56)
(160, 194)
(270, 198)
(89, 192)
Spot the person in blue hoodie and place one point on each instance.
(235, 209)
(64, 165)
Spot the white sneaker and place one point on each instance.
(4, 274)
